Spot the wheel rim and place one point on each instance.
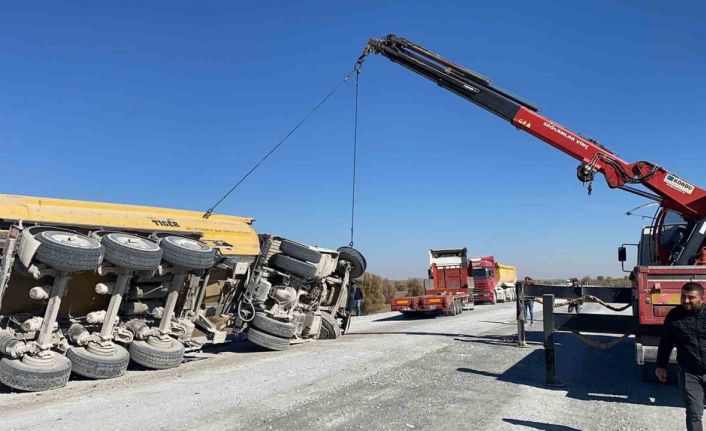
(133, 241)
(187, 243)
(70, 239)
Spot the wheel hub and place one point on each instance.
(101, 349)
(41, 360)
(159, 342)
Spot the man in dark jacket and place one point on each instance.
(685, 328)
(358, 299)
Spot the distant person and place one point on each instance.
(576, 304)
(685, 328)
(529, 302)
(357, 299)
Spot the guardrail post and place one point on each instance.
(519, 300)
(549, 352)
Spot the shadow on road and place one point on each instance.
(418, 316)
(588, 374)
(540, 425)
(532, 338)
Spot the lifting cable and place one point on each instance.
(355, 149)
(356, 70)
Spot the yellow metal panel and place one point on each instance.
(665, 298)
(235, 231)
(505, 273)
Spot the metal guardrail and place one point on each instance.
(587, 322)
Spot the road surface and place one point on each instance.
(389, 373)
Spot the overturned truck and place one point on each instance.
(87, 287)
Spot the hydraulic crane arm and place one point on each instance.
(673, 192)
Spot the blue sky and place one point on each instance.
(167, 104)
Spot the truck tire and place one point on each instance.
(329, 327)
(131, 251)
(88, 364)
(69, 251)
(355, 258)
(273, 327)
(267, 341)
(154, 358)
(459, 307)
(17, 375)
(299, 251)
(187, 253)
(494, 299)
(294, 266)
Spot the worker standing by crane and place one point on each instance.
(685, 328)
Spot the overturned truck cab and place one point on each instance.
(87, 287)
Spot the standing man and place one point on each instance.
(577, 304)
(358, 299)
(685, 328)
(529, 302)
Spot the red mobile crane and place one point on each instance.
(671, 251)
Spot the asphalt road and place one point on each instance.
(390, 373)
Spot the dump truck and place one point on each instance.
(671, 251)
(449, 288)
(87, 287)
(494, 281)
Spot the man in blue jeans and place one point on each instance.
(685, 328)
(357, 299)
(529, 303)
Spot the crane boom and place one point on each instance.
(674, 193)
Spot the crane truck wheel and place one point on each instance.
(271, 326)
(294, 266)
(105, 365)
(161, 357)
(131, 251)
(16, 374)
(69, 251)
(299, 251)
(267, 341)
(329, 327)
(187, 253)
(355, 258)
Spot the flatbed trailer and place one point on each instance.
(449, 288)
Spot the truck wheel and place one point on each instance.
(459, 307)
(274, 327)
(88, 364)
(299, 251)
(355, 258)
(296, 267)
(16, 374)
(267, 341)
(69, 251)
(329, 327)
(187, 253)
(494, 299)
(155, 358)
(131, 251)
